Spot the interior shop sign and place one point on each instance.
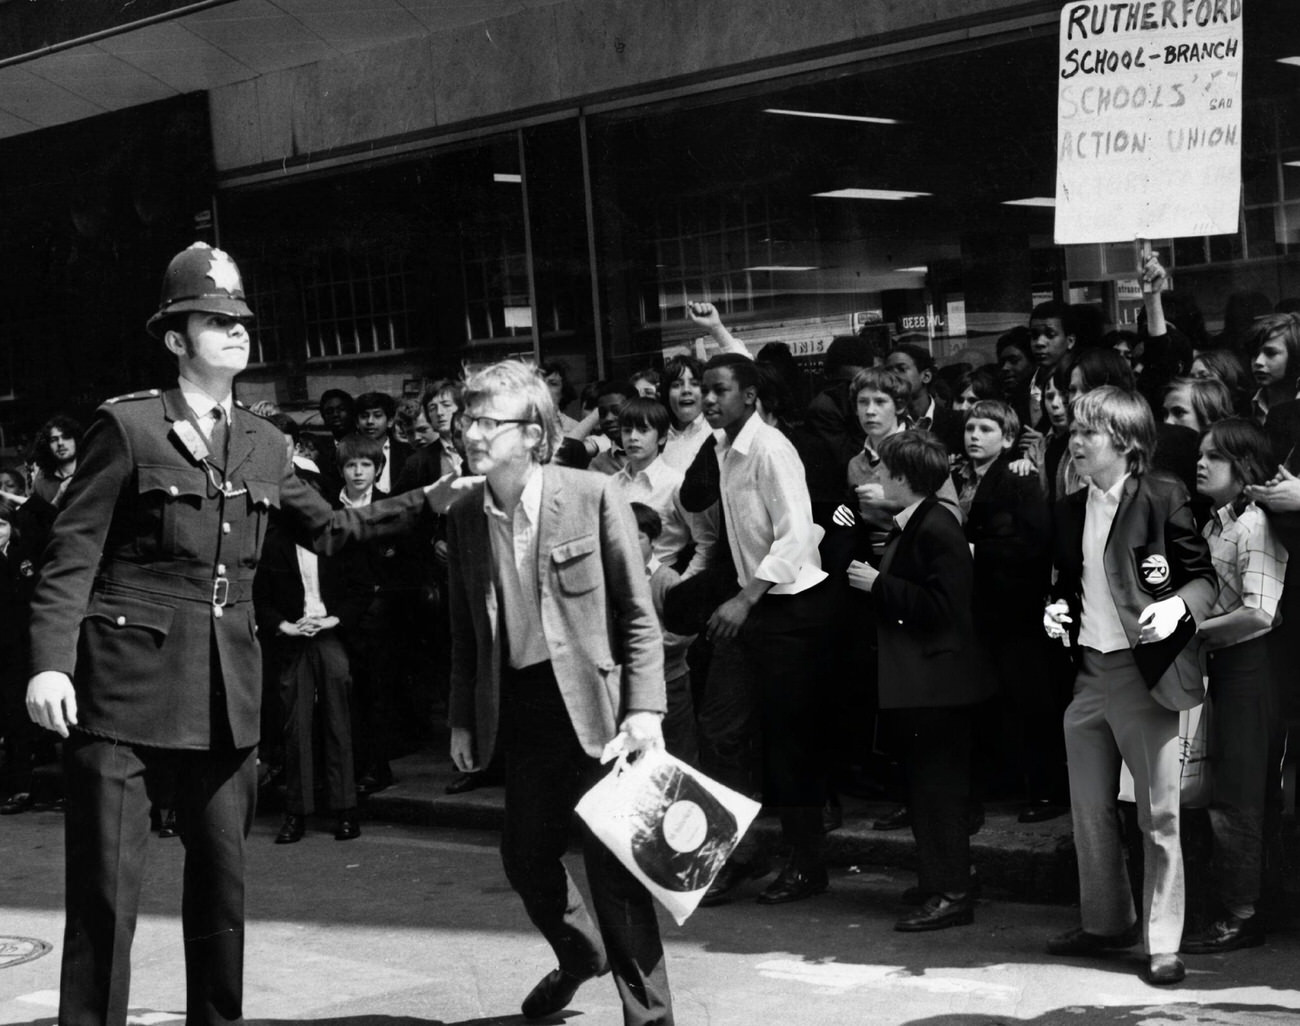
(1148, 120)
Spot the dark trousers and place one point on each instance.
(937, 759)
(546, 772)
(109, 788)
(786, 646)
(1034, 677)
(314, 675)
(25, 742)
(680, 736)
(1245, 760)
(375, 662)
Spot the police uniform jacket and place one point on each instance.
(145, 594)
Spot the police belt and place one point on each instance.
(211, 590)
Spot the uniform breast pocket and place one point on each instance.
(577, 565)
(173, 497)
(263, 496)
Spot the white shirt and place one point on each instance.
(904, 515)
(1100, 627)
(309, 571)
(659, 486)
(367, 497)
(514, 555)
(384, 479)
(928, 417)
(202, 405)
(768, 513)
(683, 445)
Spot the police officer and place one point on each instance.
(144, 651)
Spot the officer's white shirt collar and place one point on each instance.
(203, 404)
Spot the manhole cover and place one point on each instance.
(16, 950)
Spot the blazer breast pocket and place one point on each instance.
(577, 565)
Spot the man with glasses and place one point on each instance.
(548, 594)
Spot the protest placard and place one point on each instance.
(1148, 120)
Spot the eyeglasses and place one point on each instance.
(485, 425)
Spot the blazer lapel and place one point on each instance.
(904, 537)
(478, 553)
(1123, 511)
(549, 515)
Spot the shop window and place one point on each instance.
(709, 248)
(357, 304)
(494, 266)
(267, 328)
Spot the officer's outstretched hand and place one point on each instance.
(52, 702)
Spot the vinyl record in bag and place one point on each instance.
(680, 833)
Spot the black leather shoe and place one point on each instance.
(938, 913)
(347, 827)
(916, 896)
(376, 779)
(168, 827)
(1041, 812)
(730, 876)
(553, 992)
(292, 829)
(898, 819)
(16, 803)
(1081, 942)
(1227, 934)
(1162, 970)
(465, 782)
(795, 884)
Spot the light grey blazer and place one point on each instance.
(597, 614)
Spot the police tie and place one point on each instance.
(217, 436)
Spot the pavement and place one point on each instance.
(416, 926)
(1034, 862)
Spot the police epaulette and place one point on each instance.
(152, 393)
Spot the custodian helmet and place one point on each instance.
(200, 279)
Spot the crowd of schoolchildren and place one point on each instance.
(1026, 570)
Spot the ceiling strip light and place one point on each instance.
(870, 194)
(863, 118)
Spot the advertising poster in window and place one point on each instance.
(1148, 120)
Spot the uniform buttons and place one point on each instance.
(900, 623)
(225, 528)
(174, 490)
(121, 621)
(221, 569)
(228, 486)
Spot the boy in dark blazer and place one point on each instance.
(305, 605)
(1009, 531)
(932, 671)
(1131, 567)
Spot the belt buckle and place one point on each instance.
(220, 594)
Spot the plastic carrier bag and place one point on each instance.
(669, 824)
